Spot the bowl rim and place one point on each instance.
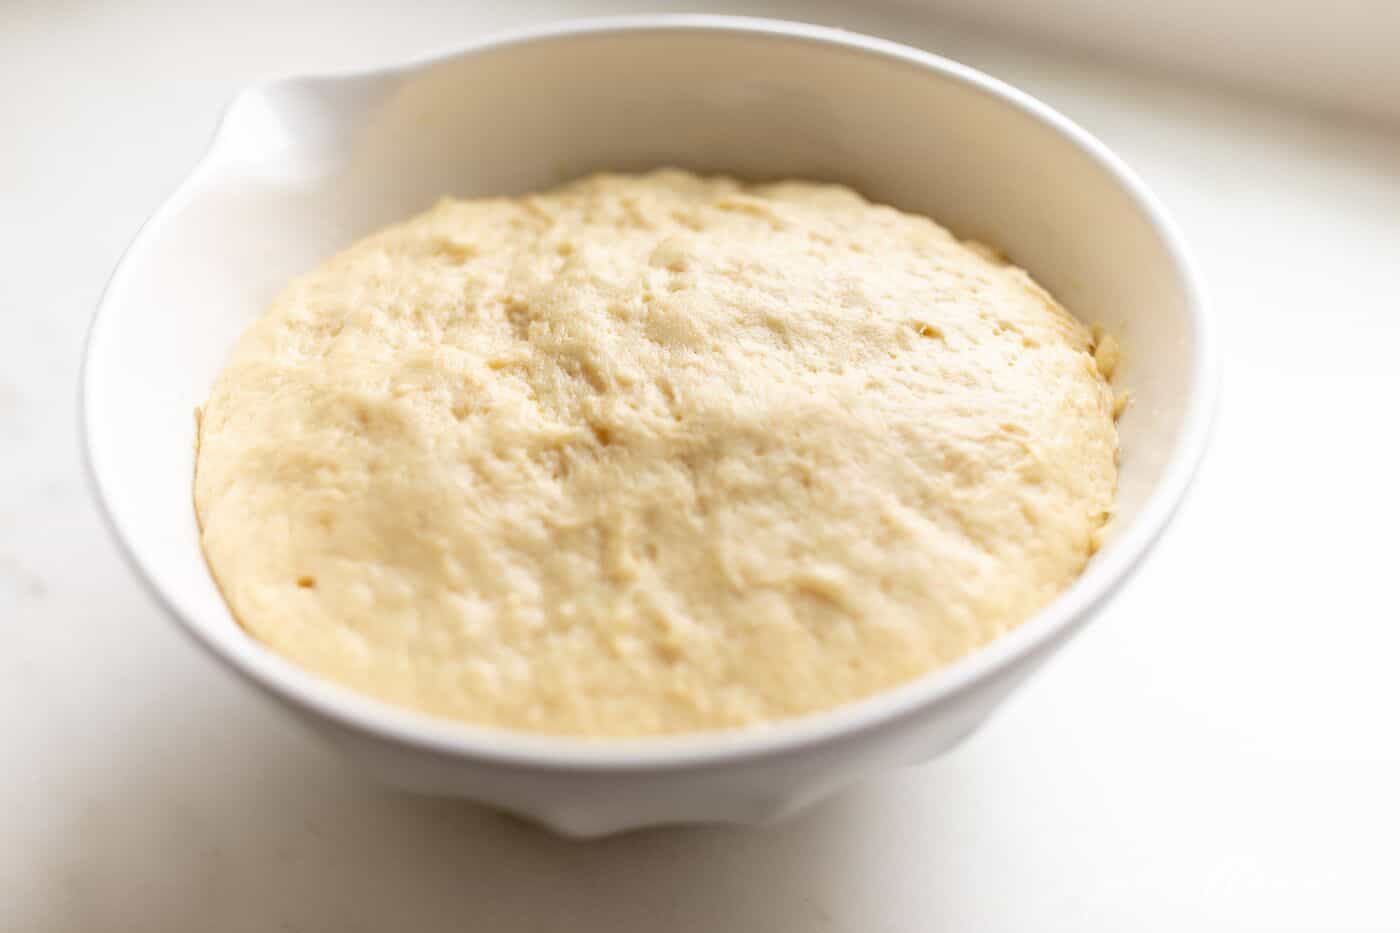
(358, 713)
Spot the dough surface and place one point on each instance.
(652, 454)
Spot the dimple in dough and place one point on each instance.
(652, 454)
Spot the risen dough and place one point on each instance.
(652, 454)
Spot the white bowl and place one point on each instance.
(300, 168)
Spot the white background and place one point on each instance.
(1342, 54)
(1220, 751)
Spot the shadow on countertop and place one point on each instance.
(221, 816)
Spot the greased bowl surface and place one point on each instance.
(301, 167)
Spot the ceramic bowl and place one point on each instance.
(301, 167)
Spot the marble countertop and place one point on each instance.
(1220, 751)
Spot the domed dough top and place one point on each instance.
(652, 454)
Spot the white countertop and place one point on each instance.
(1220, 751)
